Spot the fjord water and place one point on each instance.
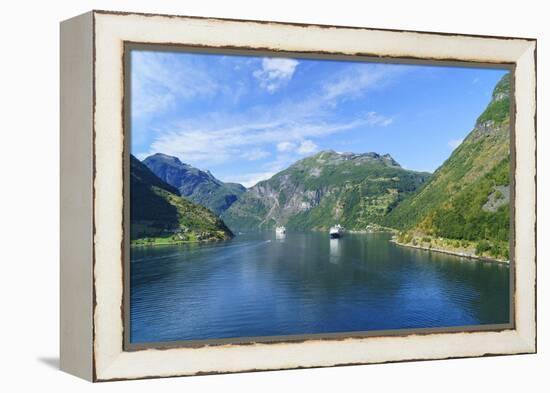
(305, 283)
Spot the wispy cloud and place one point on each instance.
(159, 79)
(307, 147)
(213, 144)
(286, 146)
(275, 72)
(356, 80)
(265, 172)
(255, 154)
(376, 119)
(303, 147)
(273, 134)
(250, 179)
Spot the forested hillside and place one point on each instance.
(467, 198)
(158, 214)
(198, 186)
(355, 190)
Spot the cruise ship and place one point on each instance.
(336, 231)
(280, 230)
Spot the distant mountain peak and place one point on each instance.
(502, 88)
(332, 156)
(326, 187)
(199, 186)
(143, 174)
(165, 158)
(389, 159)
(498, 109)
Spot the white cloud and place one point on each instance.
(250, 179)
(141, 156)
(255, 154)
(375, 119)
(454, 143)
(356, 80)
(275, 72)
(290, 128)
(160, 79)
(307, 147)
(286, 146)
(214, 145)
(210, 142)
(301, 147)
(269, 169)
(151, 102)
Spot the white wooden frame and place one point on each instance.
(92, 151)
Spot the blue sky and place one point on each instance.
(246, 118)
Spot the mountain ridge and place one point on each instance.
(463, 204)
(319, 190)
(195, 184)
(159, 215)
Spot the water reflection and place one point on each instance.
(304, 283)
(335, 250)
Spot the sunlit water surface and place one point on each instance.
(305, 283)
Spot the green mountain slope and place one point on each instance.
(467, 198)
(354, 190)
(158, 214)
(198, 186)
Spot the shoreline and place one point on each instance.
(387, 230)
(176, 243)
(366, 232)
(374, 229)
(451, 252)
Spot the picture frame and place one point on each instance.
(94, 185)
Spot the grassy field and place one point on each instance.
(177, 239)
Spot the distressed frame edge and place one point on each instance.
(76, 196)
(526, 316)
(527, 341)
(305, 24)
(128, 47)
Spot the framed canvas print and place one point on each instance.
(245, 195)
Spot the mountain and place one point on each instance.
(467, 198)
(354, 190)
(158, 214)
(198, 186)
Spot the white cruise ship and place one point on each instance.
(336, 231)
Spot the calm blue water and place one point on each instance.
(257, 285)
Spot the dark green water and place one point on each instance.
(258, 285)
